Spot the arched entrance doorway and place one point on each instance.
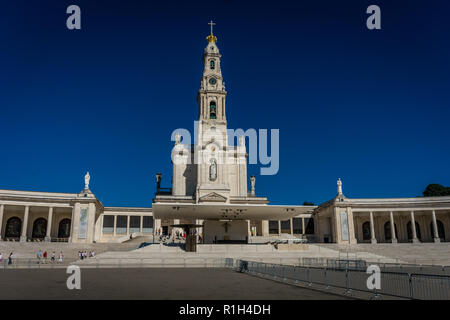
(387, 231)
(13, 228)
(39, 228)
(409, 231)
(64, 228)
(366, 230)
(441, 229)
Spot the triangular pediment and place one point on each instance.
(213, 197)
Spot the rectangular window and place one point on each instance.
(108, 224)
(273, 227)
(309, 226)
(286, 226)
(147, 226)
(297, 224)
(121, 227)
(135, 224)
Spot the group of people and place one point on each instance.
(10, 258)
(178, 235)
(84, 255)
(43, 257)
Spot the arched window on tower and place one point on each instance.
(212, 64)
(212, 110)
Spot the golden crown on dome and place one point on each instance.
(211, 37)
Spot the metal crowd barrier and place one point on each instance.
(359, 264)
(397, 284)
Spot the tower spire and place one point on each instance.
(212, 24)
(211, 37)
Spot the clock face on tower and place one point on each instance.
(212, 81)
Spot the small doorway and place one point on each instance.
(165, 230)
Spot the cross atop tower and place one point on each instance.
(212, 24)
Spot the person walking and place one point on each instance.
(53, 257)
(60, 260)
(45, 256)
(39, 255)
(1, 257)
(10, 258)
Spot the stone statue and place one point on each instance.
(87, 179)
(177, 138)
(213, 170)
(252, 183)
(158, 181)
(339, 185)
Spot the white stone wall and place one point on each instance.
(236, 230)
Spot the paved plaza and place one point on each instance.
(150, 283)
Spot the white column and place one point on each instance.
(393, 235)
(2, 209)
(174, 229)
(128, 225)
(115, 225)
(141, 226)
(372, 229)
(435, 229)
(292, 226)
(279, 227)
(49, 224)
(303, 226)
(23, 236)
(101, 227)
(413, 228)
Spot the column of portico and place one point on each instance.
(372, 229)
(23, 236)
(393, 235)
(435, 229)
(292, 226)
(303, 227)
(115, 225)
(49, 224)
(265, 228)
(2, 209)
(279, 227)
(128, 225)
(413, 227)
(141, 225)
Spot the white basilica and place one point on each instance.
(210, 191)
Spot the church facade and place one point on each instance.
(210, 192)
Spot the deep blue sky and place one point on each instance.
(370, 107)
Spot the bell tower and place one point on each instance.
(212, 94)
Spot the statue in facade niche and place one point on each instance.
(213, 170)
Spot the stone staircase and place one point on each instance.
(28, 250)
(172, 255)
(423, 253)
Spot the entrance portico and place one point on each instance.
(226, 223)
